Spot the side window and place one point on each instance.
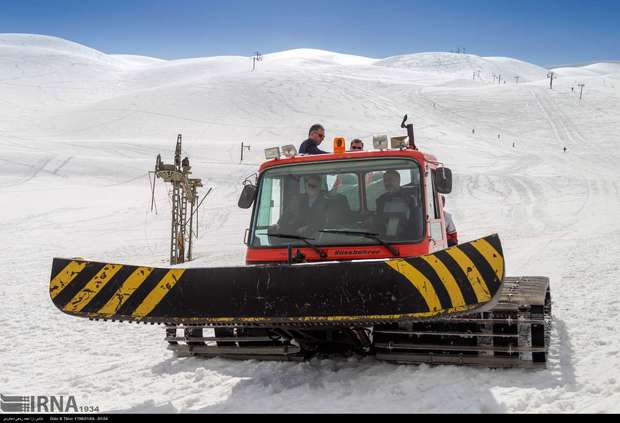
(436, 231)
(270, 209)
(433, 211)
(276, 201)
(270, 203)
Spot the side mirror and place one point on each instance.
(443, 180)
(247, 197)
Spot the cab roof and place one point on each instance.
(349, 155)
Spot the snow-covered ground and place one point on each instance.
(79, 130)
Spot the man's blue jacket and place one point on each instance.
(310, 147)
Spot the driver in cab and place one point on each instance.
(311, 212)
(398, 215)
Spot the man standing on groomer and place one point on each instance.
(316, 135)
(357, 145)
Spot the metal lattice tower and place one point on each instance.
(183, 193)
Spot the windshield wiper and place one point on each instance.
(305, 240)
(368, 235)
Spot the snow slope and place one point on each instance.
(464, 65)
(79, 130)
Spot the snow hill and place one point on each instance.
(79, 130)
(465, 65)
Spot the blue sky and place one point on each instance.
(546, 32)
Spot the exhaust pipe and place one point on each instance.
(409, 133)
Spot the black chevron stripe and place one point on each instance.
(429, 273)
(483, 266)
(80, 281)
(495, 243)
(140, 294)
(461, 278)
(109, 289)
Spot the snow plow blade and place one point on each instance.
(461, 279)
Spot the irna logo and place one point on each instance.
(38, 404)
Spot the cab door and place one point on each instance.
(435, 229)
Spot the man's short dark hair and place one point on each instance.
(392, 172)
(316, 127)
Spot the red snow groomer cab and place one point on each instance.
(348, 206)
(347, 253)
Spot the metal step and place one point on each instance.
(493, 362)
(457, 334)
(457, 348)
(504, 321)
(209, 350)
(221, 339)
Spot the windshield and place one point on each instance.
(381, 196)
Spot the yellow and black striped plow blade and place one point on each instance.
(465, 278)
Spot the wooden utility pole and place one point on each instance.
(581, 90)
(256, 58)
(243, 147)
(183, 195)
(551, 76)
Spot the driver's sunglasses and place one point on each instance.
(312, 186)
(357, 147)
(322, 136)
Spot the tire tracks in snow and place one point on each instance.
(565, 134)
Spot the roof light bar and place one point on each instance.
(380, 142)
(398, 142)
(289, 151)
(272, 153)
